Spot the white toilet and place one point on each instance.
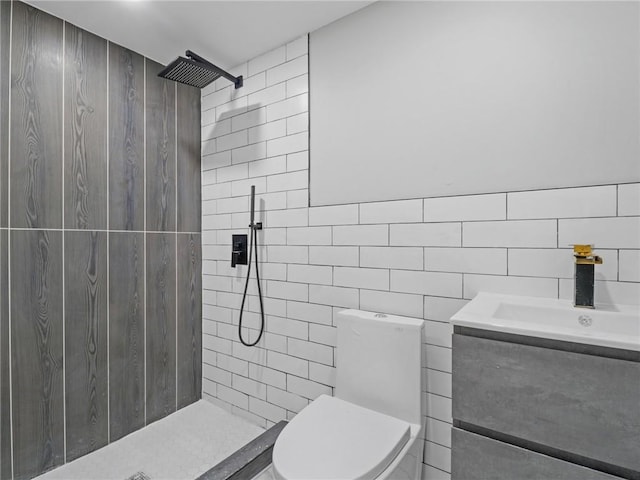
(371, 429)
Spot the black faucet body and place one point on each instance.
(584, 286)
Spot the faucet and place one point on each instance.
(584, 275)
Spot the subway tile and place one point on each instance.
(514, 233)
(427, 283)
(407, 258)
(298, 47)
(250, 417)
(233, 365)
(214, 222)
(288, 290)
(298, 85)
(268, 131)
(217, 283)
(306, 388)
(310, 351)
(219, 314)
(339, 256)
(310, 274)
(266, 410)
(629, 265)
(243, 187)
(361, 235)
(285, 71)
(271, 201)
(213, 129)
(229, 300)
(338, 296)
(234, 172)
(438, 333)
(233, 140)
(216, 98)
(620, 232)
(250, 119)
(426, 234)
(528, 286)
(437, 382)
(466, 208)
(288, 364)
(298, 123)
(290, 401)
(219, 190)
(269, 166)
(208, 178)
(240, 220)
(294, 217)
(267, 60)
(438, 358)
(276, 343)
(334, 215)
(214, 252)
(250, 354)
(249, 153)
(266, 97)
(249, 387)
(437, 456)
(268, 376)
(208, 356)
(622, 293)
(216, 160)
(288, 108)
(287, 254)
(438, 432)
(216, 374)
(252, 84)
(432, 473)
(391, 303)
(563, 203)
(272, 236)
(288, 327)
(231, 109)
(466, 260)
(557, 263)
(322, 374)
(399, 211)
(309, 236)
(288, 181)
(370, 278)
(288, 144)
(208, 147)
(298, 161)
(297, 198)
(324, 334)
(308, 312)
(629, 199)
(438, 407)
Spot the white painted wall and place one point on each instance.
(427, 99)
(420, 257)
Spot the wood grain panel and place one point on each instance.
(5, 412)
(36, 119)
(126, 333)
(85, 136)
(161, 325)
(86, 341)
(189, 319)
(188, 146)
(161, 150)
(126, 137)
(36, 337)
(5, 15)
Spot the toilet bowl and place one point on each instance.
(371, 428)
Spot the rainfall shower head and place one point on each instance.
(196, 71)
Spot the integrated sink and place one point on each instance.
(616, 326)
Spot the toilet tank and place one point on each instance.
(379, 363)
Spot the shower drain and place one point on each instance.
(139, 476)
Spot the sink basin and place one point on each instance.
(616, 326)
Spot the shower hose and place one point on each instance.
(254, 239)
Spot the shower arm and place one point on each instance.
(237, 81)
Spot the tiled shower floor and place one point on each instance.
(181, 446)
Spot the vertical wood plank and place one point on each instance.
(85, 341)
(161, 325)
(189, 319)
(161, 150)
(36, 119)
(189, 185)
(85, 133)
(5, 413)
(5, 16)
(36, 334)
(126, 333)
(126, 137)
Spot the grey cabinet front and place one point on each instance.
(480, 458)
(583, 404)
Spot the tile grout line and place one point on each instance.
(108, 266)
(9, 244)
(175, 136)
(64, 316)
(144, 227)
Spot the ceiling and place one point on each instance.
(227, 33)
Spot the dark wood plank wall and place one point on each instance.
(36, 337)
(161, 325)
(126, 139)
(161, 150)
(85, 135)
(189, 200)
(36, 119)
(72, 108)
(86, 341)
(126, 333)
(189, 318)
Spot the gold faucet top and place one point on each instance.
(582, 250)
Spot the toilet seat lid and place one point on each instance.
(335, 439)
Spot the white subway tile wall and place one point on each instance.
(423, 258)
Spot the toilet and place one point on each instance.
(371, 428)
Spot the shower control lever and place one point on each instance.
(238, 250)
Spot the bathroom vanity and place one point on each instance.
(553, 399)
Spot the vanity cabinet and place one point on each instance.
(528, 409)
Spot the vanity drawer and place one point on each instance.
(475, 457)
(585, 405)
